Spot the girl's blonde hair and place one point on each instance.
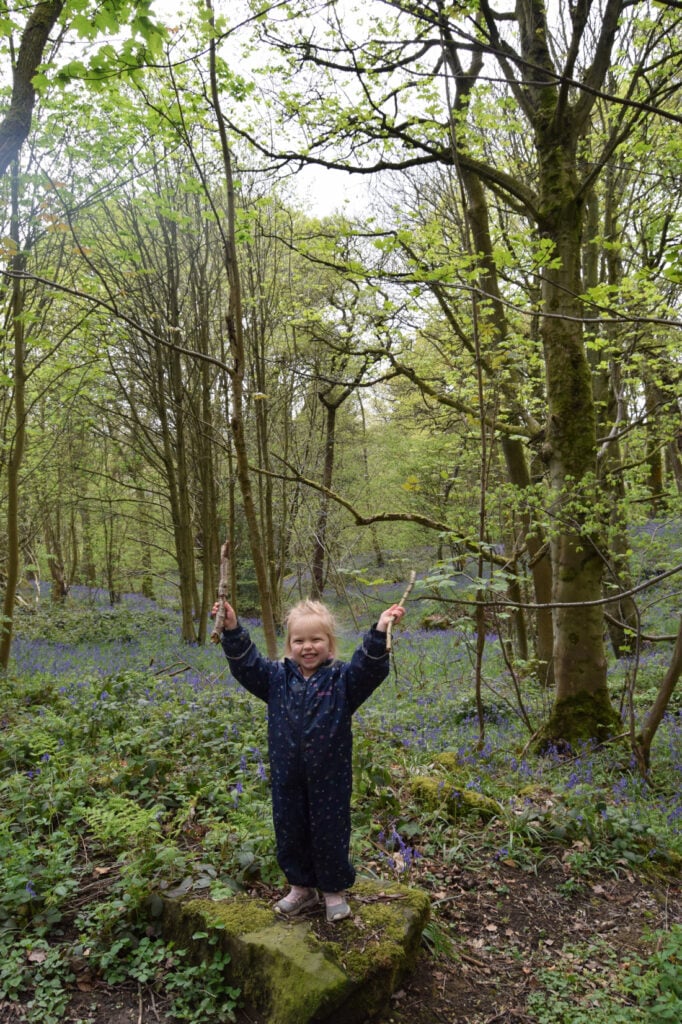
(319, 611)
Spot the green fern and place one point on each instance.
(118, 822)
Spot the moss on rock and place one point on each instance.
(448, 760)
(442, 794)
(296, 977)
(240, 914)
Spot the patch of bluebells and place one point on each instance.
(392, 843)
(260, 767)
(246, 769)
(522, 768)
(41, 657)
(145, 644)
(98, 597)
(192, 667)
(419, 711)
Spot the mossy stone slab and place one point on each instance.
(292, 974)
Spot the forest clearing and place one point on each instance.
(300, 298)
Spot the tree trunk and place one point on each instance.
(376, 546)
(16, 452)
(89, 571)
(210, 548)
(16, 123)
(275, 558)
(320, 539)
(654, 455)
(621, 616)
(173, 421)
(147, 587)
(655, 716)
(538, 562)
(234, 322)
(516, 463)
(111, 558)
(203, 434)
(55, 557)
(582, 707)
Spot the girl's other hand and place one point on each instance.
(230, 620)
(392, 614)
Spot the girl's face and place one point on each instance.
(309, 643)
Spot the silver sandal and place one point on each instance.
(338, 912)
(291, 907)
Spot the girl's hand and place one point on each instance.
(392, 614)
(230, 620)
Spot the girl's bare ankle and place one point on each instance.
(298, 891)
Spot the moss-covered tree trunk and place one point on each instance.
(559, 120)
(539, 562)
(582, 706)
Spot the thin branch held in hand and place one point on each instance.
(223, 591)
(401, 604)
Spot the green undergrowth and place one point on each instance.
(134, 769)
(590, 984)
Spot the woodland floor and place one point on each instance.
(508, 924)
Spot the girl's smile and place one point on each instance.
(309, 644)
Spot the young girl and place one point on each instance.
(311, 698)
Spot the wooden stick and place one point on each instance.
(401, 604)
(223, 591)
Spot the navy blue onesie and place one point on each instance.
(310, 746)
